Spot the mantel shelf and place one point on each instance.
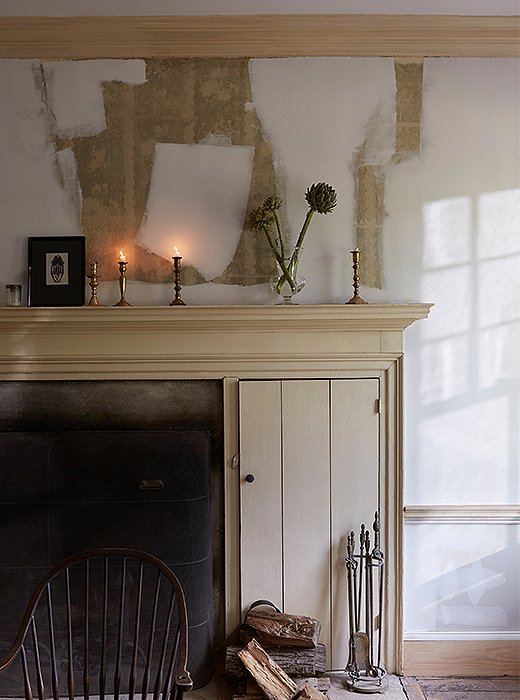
(199, 341)
(374, 316)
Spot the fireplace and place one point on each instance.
(114, 464)
(224, 346)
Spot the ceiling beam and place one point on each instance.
(261, 36)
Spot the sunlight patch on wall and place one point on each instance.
(499, 223)
(464, 455)
(447, 232)
(465, 585)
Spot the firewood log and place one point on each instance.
(280, 629)
(295, 662)
(274, 682)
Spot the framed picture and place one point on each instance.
(56, 271)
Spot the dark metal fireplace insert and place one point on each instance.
(114, 464)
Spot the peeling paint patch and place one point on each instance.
(409, 80)
(181, 101)
(370, 213)
(370, 164)
(69, 180)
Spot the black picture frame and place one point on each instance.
(56, 267)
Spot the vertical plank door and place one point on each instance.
(306, 500)
(261, 500)
(312, 447)
(355, 479)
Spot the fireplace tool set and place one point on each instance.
(365, 580)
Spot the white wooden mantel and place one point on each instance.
(232, 343)
(199, 341)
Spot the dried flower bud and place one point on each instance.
(259, 219)
(321, 198)
(272, 203)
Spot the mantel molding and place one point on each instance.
(262, 36)
(200, 341)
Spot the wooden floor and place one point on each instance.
(503, 688)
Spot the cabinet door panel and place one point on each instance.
(354, 485)
(261, 500)
(306, 500)
(313, 448)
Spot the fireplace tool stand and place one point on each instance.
(365, 580)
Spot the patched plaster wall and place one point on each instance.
(425, 159)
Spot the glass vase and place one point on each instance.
(287, 282)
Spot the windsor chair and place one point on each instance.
(102, 623)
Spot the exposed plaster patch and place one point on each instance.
(216, 140)
(69, 180)
(372, 159)
(182, 101)
(370, 165)
(409, 80)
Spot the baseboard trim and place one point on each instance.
(462, 658)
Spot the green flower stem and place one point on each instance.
(279, 232)
(305, 226)
(286, 274)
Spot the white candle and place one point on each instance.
(122, 256)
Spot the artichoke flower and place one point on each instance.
(320, 197)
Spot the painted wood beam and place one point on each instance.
(263, 36)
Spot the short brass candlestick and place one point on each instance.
(122, 283)
(93, 277)
(356, 299)
(177, 286)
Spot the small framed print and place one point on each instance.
(56, 271)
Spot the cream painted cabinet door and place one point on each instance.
(309, 471)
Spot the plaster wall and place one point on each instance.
(443, 228)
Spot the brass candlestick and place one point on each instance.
(93, 277)
(122, 283)
(356, 299)
(177, 286)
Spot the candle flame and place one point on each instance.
(122, 256)
(176, 252)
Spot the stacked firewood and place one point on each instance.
(278, 657)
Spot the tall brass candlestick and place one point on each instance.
(122, 283)
(356, 299)
(93, 277)
(177, 286)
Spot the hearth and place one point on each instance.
(102, 463)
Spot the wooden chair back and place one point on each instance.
(104, 622)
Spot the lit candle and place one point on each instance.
(122, 256)
(176, 252)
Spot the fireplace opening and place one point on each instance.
(114, 463)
